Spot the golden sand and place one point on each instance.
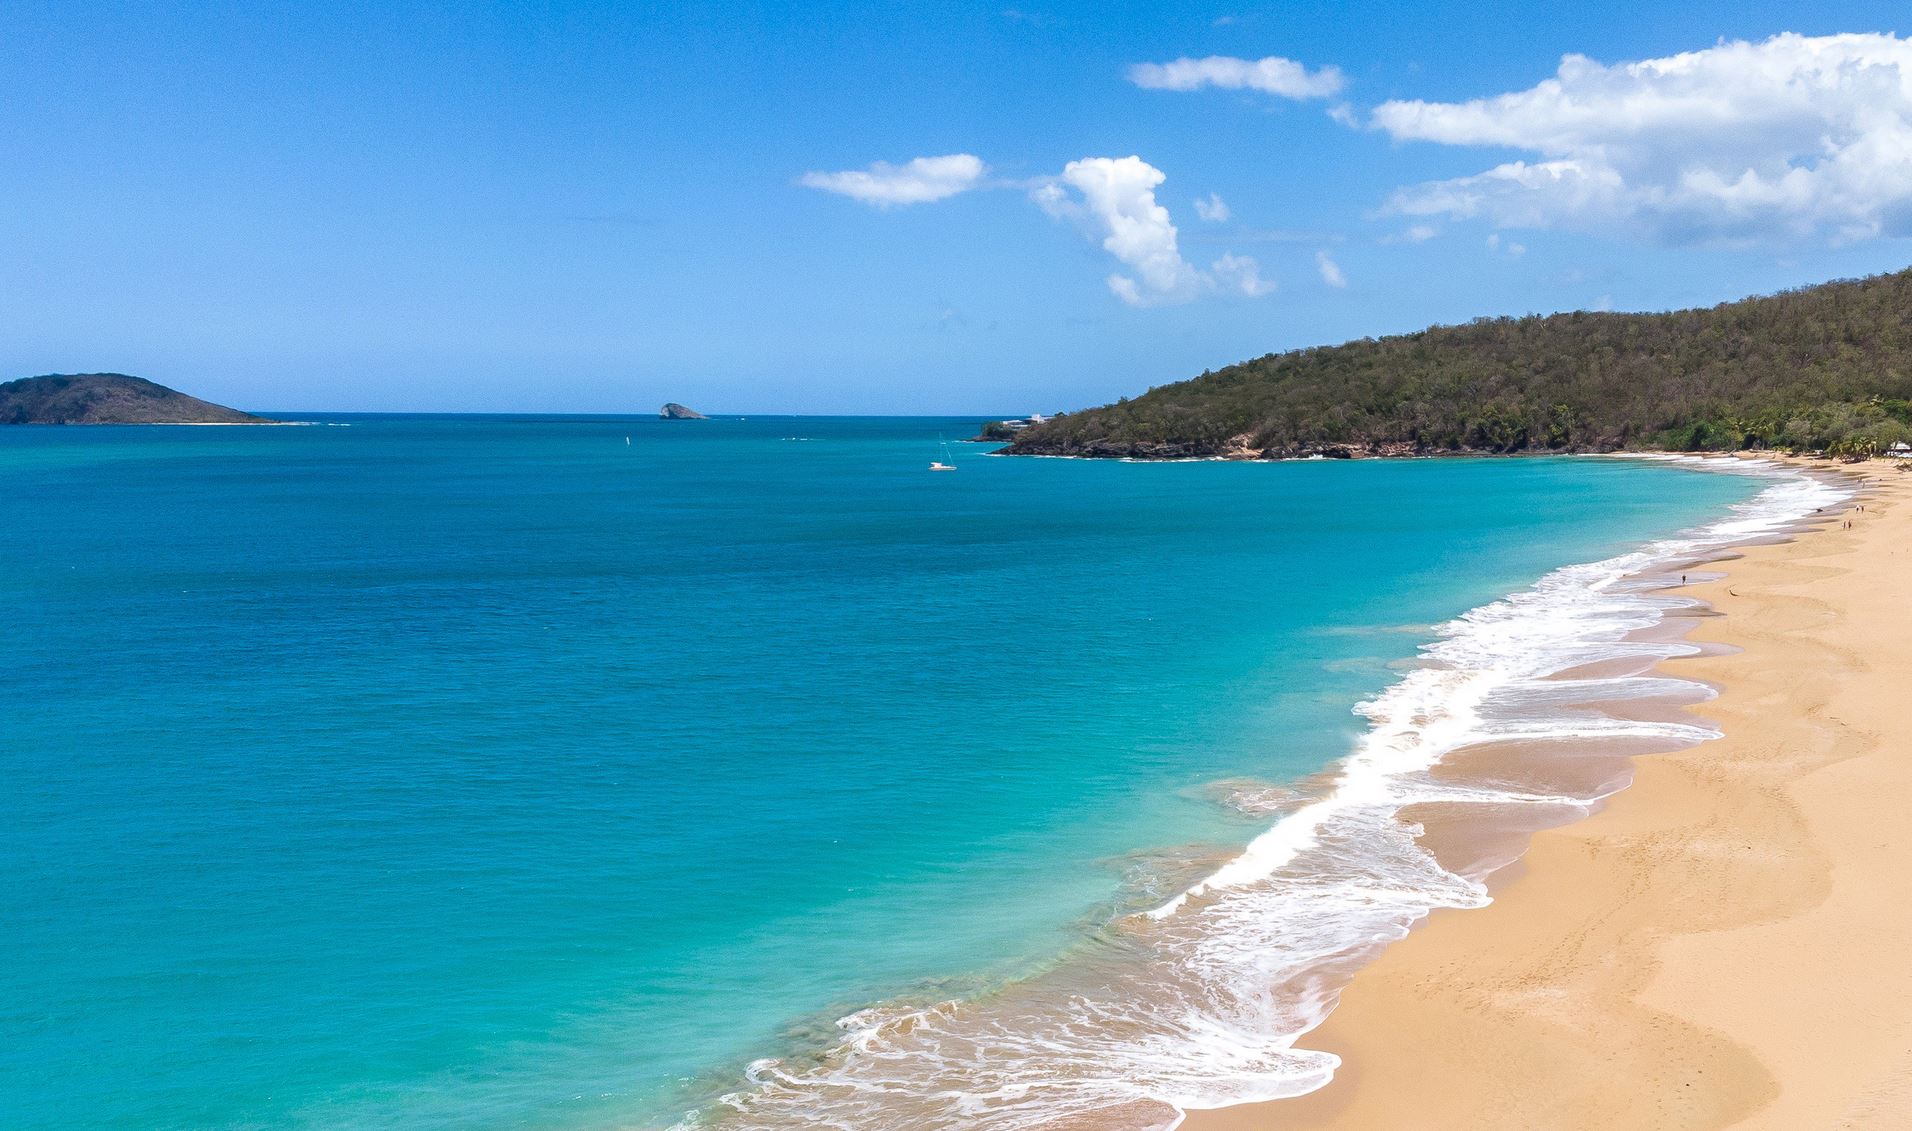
(1728, 942)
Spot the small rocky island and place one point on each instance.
(108, 398)
(675, 411)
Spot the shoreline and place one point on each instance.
(1815, 464)
(1215, 992)
(160, 423)
(1641, 965)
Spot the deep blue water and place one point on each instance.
(483, 771)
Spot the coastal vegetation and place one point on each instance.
(108, 398)
(1822, 368)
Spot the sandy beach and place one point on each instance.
(1724, 943)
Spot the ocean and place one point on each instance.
(600, 772)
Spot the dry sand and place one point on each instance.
(1728, 942)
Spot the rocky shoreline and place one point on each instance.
(108, 398)
(1238, 448)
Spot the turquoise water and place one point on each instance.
(484, 771)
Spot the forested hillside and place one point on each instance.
(1824, 367)
(108, 398)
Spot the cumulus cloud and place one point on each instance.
(1330, 270)
(1113, 199)
(1794, 136)
(1284, 78)
(1116, 197)
(920, 181)
(1240, 274)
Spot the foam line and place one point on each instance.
(1200, 1001)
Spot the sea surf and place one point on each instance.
(471, 771)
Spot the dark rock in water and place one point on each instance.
(108, 398)
(675, 411)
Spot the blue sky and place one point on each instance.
(599, 208)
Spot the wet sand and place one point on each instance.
(1727, 941)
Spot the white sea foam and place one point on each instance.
(1200, 1002)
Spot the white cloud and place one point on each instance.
(922, 180)
(1796, 137)
(1511, 249)
(1272, 75)
(1114, 200)
(1241, 274)
(1212, 208)
(1117, 199)
(1330, 270)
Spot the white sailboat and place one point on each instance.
(948, 462)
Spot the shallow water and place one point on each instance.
(1518, 717)
(458, 772)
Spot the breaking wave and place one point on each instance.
(1200, 1002)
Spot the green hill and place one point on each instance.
(1824, 367)
(107, 398)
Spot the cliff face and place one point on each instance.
(675, 411)
(108, 398)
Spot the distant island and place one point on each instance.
(1823, 368)
(675, 411)
(108, 398)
